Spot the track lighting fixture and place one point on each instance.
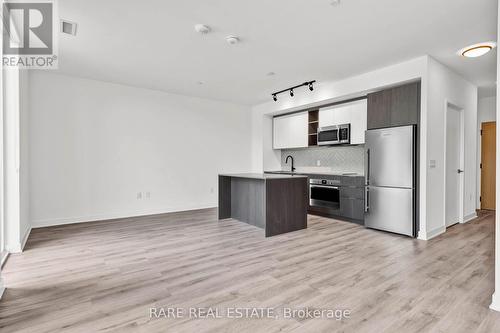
(308, 83)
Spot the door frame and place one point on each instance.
(480, 152)
(461, 186)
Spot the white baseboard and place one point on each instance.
(25, 238)
(3, 258)
(19, 247)
(469, 217)
(2, 287)
(431, 234)
(495, 303)
(112, 216)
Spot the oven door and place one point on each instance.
(328, 136)
(324, 196)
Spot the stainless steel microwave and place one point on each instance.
(334, 135)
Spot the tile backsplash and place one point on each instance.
(340, 159)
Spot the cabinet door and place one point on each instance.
(298, 135)
(290, 131)
(405, 104)
(280, 133)
(325, 117)
(357, 119)
(379, 109)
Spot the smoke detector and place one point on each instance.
(232, 40)
(202, 29)
(68, 27)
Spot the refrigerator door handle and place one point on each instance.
(367, 199)
(368, 167)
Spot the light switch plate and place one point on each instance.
(432, 164)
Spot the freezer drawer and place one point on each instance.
(390, 209)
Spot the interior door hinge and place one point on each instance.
(481, 132)
(481, 166)
(480, 199)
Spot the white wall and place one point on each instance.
(24, 146)
(445, 85)
(95, 145)
(495, 299)
(486, 111)
(16, 204)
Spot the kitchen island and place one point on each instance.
(276, 203)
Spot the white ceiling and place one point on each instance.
(152, 43)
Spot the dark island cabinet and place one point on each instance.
(398, 106)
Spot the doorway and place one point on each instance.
(454, 161)
(488, 165)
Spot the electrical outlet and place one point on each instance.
(318, 163)
(139, 195)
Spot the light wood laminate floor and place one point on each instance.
(105, 276)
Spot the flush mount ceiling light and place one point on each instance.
(307, 84)
(202, 29)
(335, 3)
(477, 50)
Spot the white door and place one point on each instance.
(454, 171)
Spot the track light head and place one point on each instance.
(311, 86)
(291, 92)
(275, 98)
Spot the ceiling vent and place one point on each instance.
(68, 27)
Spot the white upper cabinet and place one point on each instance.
(353, 113)
(291, 131)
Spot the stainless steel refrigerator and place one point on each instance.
(390, 176)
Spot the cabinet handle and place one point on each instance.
(367, 199)
(367, 166)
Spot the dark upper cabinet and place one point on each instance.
(379, 109)
(397, 106)
(405, 104)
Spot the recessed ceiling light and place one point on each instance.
(202, 29)
(477, 50)
(232, 40)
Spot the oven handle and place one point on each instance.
(324, 186)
